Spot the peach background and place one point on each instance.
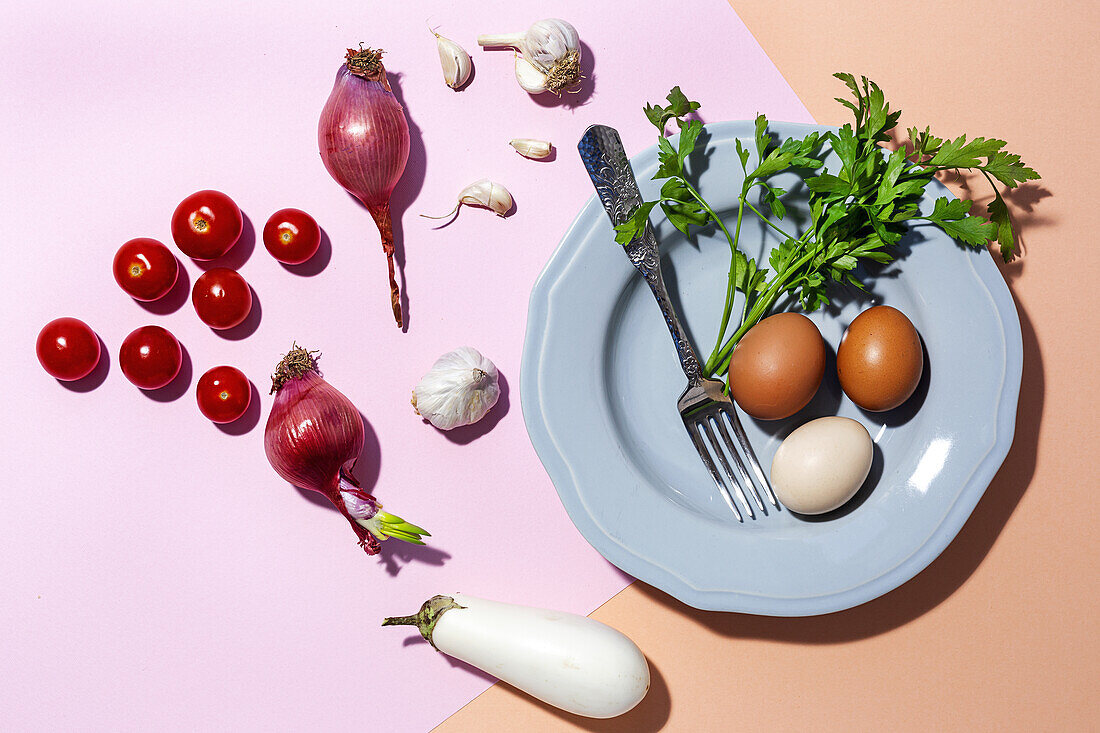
(1001, 632)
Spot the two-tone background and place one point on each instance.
(154, 572)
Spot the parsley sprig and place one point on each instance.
(857, 213)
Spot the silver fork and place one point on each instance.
(704, 406)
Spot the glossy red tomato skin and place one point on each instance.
(292, 236)
(206, 225)
(145, 269)
(222, 298)
(68, 349)
(223, 394)
(150, 357)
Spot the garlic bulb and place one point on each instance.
(550, 55)
(528, 148)
(482, 193)
(455, 61)
(460, 388)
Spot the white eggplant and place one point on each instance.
(568, 661)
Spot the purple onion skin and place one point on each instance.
(313, 438)
(363, 137)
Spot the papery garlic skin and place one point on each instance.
(549, 42)
(456, 63)
(551, 55)
(460, 389)
(529, 148)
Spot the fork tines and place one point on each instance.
(709, 427)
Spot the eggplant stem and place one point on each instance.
(426, 618)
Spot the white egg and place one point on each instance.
(821, 465)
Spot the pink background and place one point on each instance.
(153, 569)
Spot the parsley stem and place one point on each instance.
(731, 286)
(769, 222)
(706, 208)
(760, 308)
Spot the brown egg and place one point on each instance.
(880, 359)
(777, 366)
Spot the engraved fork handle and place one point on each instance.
(607, 165)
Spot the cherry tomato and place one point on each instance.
(150, 357)
(292, 236)
(221, 298)
(206, 224)
(145, 269)
(223, 394)
(67, 349)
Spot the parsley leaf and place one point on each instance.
(952, 216)
(1007, 168)
(998, 216)
(857, 212)
(679, 106)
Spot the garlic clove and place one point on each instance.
(460, 389)
(483, 193)
(529, 148)
(456, 63)
(488, 194)
(531, 79)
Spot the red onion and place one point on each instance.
(364, 141)
(313, 438)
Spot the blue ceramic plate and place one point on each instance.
(600, 382)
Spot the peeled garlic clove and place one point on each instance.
(455, 61)
(460, 389)
(529, 148)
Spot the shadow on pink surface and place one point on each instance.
(397, 554)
